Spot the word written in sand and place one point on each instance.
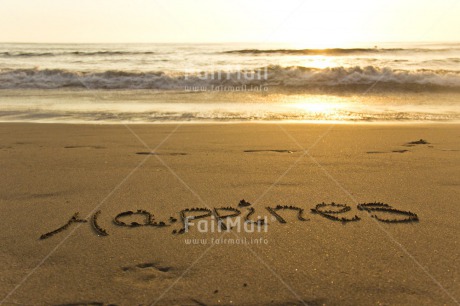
(331, 211)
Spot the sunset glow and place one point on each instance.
(302, 23)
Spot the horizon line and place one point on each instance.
(216, 43)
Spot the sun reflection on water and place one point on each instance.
(327, 108)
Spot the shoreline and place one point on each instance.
(261, 122)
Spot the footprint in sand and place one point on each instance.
(147, 273)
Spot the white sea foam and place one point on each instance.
(300, 78)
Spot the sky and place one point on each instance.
(317, 23)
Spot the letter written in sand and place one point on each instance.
(273, 212)
(189, 214)
(74, 219)
(333, 212)
(221, 218)
(385, 209)
(148, 219)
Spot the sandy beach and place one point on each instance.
(247, 153)
(51, 172)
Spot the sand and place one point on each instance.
(49, 172)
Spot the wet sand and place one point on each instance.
(148, 174)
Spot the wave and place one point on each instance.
(325, 52)
(73, 53)
(300, 78)
(336, 51)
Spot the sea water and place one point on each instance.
(148, 83)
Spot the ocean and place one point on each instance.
(161, 83)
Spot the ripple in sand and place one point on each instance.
(86, 147)
(154, 153)
(276, 151)
(383, 152)
(86, 304)
(416, 142)
(421, 141)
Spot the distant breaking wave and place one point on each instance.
(72, 53)
(335, 51)
(325, 52)
(300, 78)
